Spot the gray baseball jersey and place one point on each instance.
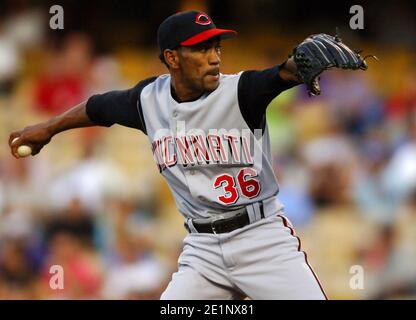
(211, 151)
(214, 152)
(205, 149)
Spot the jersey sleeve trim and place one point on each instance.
(144, 83)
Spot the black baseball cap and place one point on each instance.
(188, 28)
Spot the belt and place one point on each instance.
(221, 224)
(232, 220)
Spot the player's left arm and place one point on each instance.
(257, 88)
(289, 71)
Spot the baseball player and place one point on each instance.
(209, 138)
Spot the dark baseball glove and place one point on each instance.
(321, 52)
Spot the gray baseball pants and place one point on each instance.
(262, 260)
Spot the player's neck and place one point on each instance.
(181, 93)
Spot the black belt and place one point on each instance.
(224, 225)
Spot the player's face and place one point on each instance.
(200, 65)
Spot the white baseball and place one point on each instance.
(23, 150)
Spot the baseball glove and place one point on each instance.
(320, 52)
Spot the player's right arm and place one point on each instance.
(120, 106)
(37, 136)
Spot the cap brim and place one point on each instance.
(208, 34)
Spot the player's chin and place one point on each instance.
(211, 83)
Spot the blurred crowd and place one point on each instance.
(94, 203)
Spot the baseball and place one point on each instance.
(23, 150)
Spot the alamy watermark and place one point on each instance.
(56, 282)
(357, 278)
(357, 20)
(57, 19)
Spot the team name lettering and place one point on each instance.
(197, 149)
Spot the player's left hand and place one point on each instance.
(320, 52)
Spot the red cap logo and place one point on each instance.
(203, 19)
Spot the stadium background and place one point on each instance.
(94, 202)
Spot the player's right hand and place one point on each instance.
(36, 137)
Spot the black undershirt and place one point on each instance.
(256, 89)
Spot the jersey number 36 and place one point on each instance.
(249, 186)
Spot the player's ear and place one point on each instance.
(172, 58)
